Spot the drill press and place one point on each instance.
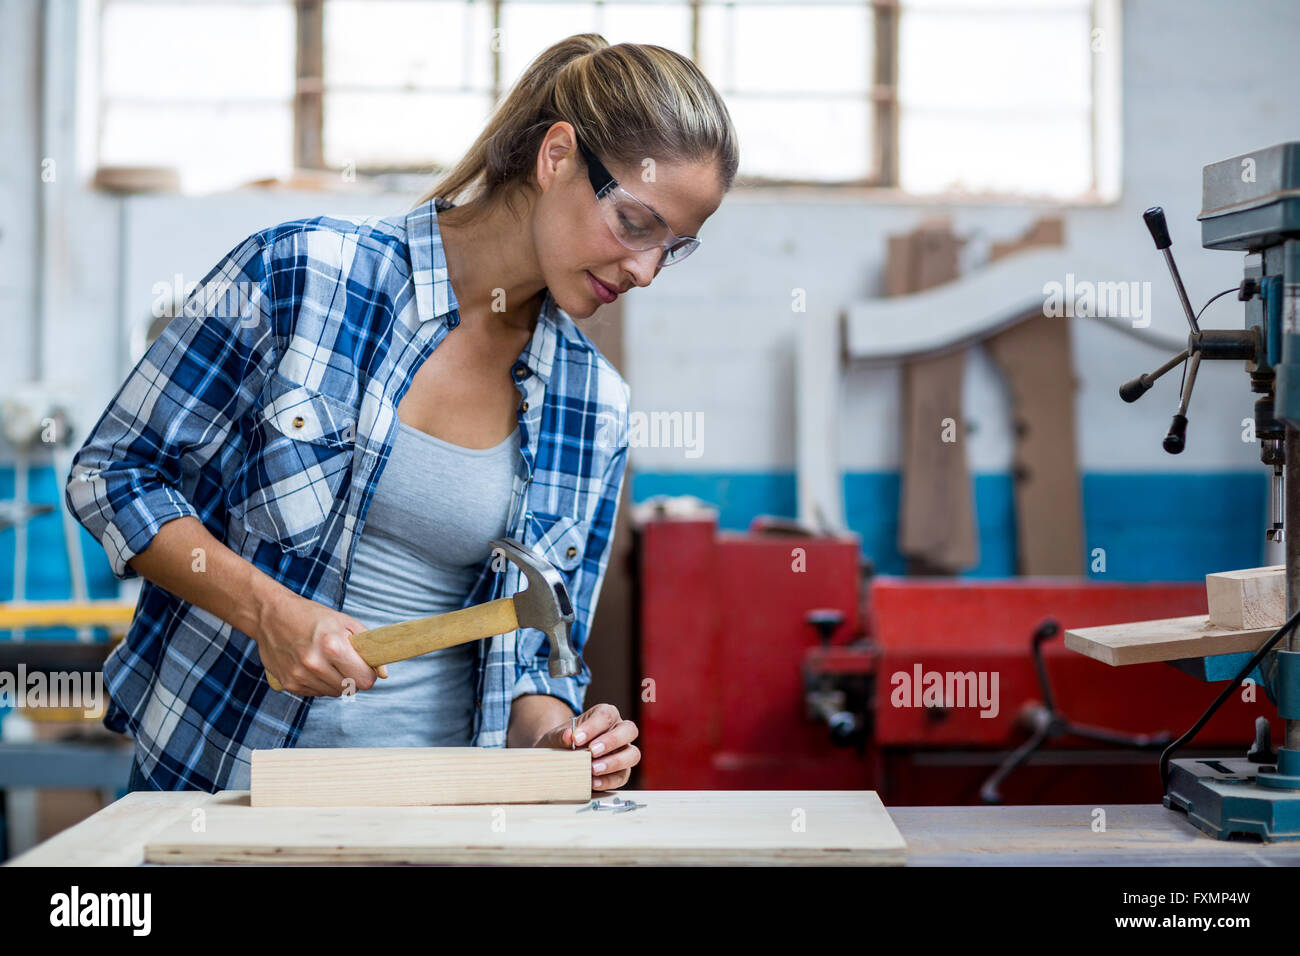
(1251, 203)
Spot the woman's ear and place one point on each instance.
(560, 144)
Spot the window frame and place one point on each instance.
(307, 107)
(309, 115)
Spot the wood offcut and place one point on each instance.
(417, 776)
(1255, 597)
(1169, 639)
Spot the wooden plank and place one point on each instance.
(1046, 231)
(1254, 597)
(681, 827)
(936, 521)
(1036, 359)
(417, 776)
(1168, 639)
(116, 835)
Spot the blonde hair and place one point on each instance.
(625, 102)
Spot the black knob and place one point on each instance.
(1134, 388)
(1176, 440)
(843, 726)
(1155, 220)
(827, 621)
(1262, 750)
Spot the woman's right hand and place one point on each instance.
(308, 647)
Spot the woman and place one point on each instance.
(348, 411)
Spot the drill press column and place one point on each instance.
(1292, 542)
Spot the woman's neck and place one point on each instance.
(492, 266)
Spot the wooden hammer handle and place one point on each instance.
(407, 639)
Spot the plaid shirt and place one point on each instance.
(267, 409)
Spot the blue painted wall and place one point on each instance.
(1152, 526)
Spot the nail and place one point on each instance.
(597, 748)
(581, 736)
(598, 767)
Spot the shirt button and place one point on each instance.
(520, 371)
(525, 406)
(298, 421)
(572, 552)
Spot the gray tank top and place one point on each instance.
(420, 550)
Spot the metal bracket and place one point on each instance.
(616, 805)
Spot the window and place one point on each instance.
(996, 97)
(444, 65)
(932, 96)
(804, 89)
(204, 87)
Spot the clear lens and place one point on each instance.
(680, 251)
(639, 229)
(633, 224)
(636, 224)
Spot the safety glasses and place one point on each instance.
(633, 223)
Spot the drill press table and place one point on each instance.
(152, 826)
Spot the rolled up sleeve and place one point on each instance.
(175, 410)
(584, 593)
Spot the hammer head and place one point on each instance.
(544, 604)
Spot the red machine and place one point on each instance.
(774, 664)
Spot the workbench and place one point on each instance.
(1135, 835)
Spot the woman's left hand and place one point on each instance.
(608, 737)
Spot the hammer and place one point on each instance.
(544, 604)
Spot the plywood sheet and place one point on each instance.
(115, 836)
(1168, 639)
(417, 776)
(675, 827)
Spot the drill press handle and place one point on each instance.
(1212, 343)
(1155, 220)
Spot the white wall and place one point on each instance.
(1202, 80)
(19, 180)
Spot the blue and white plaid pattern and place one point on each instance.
(267, 409)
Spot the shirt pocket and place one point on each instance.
(299, 460)
(561, 541)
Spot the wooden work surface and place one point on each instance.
(1168, 639)
(1135, 835)
(686, 827)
